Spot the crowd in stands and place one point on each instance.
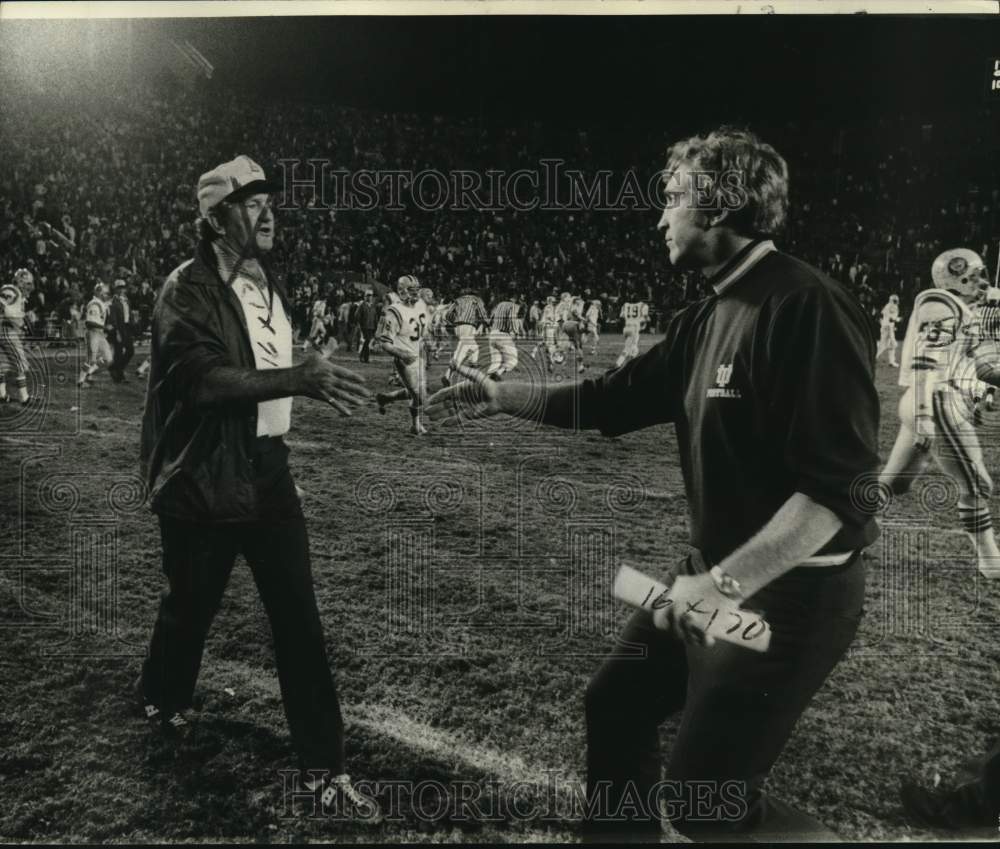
(96, 186)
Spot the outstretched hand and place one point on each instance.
(474, 398)
(341, 388)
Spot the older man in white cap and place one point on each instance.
(218, 403)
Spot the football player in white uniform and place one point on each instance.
(887, 341)
(98, 350)
(12, 357)
(317, 332)
(635, 315)
(401, 335)
(593, 316)
(942, 361)
(547, 343)
(439, 329)
(574, 326)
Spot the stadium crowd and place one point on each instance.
(97, 186)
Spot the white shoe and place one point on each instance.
(989, 567)
(340, 789)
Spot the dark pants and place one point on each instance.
(124, 351)
(975, 801)
(739, 707)
(367, 335)
(197, 561)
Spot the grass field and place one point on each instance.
(462, 579)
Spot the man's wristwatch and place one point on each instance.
(726, 584)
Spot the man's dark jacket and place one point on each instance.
(116, 318)
(368, 316)
(198, 462)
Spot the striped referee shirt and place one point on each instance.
(989, 322)
(467, 309)
(503, 317)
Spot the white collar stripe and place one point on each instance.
(754, 256)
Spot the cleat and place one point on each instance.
(381, 400)
(174, 727)
(444, 380)
(340, 790)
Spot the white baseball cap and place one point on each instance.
(240, 176)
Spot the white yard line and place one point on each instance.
(389, 722)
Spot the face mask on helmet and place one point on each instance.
(961, 271)
(408, 289)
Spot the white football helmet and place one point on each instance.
(558, 357)
(23, 278)
(961, 271)
(9, 295)
(426, 295)
(409, 289)
(101, 290)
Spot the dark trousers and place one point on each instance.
(367, 335)
(197, 561)
(738, 708)
(123, 353)
(975, 800)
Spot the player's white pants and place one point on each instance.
(98, 353)
(317, 331)
(466, 346)
(594, 334)
(503, 353)
(98, 349)
(414, 379)
(631, 347)
(12, 356)
(550, 334)
(887, 342)
(955, 448)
